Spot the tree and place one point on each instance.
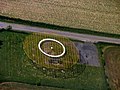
(9, 27)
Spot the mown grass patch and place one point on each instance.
(31, 48)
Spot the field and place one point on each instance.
(21, 86)
(96, 15)
(15, 66)
(112, 57)
(33, 52)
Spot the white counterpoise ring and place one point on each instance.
(49, 39)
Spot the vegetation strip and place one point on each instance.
(55, 27)
(102, 49)
(22, 86)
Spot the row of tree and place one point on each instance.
(9, 27)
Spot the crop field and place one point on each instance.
(112, 57)
(96, 15)
(16, 66)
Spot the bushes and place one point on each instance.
(1, 43)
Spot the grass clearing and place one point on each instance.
(112, 59)
(100, 15)
(31, 48)
(15, 66)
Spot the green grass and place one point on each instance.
(101, 46)
(15, 66)
(33, 52)
(101, 49)
(21, 86)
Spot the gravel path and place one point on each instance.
(88, 53)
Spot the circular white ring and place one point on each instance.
(49, 39)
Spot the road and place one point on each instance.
(76, 36)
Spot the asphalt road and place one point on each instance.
(76, 36)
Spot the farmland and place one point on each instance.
(100, 15)
(112, 59)
(15, 66)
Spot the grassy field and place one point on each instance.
(21, 86)
(15, 66)
(96, 15)
(33, 52)
(112, 59)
